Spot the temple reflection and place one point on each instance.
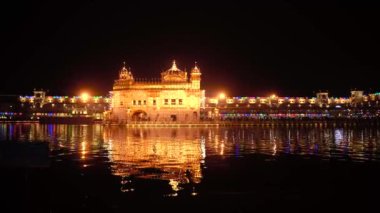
(174, 155)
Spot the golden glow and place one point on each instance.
(222, 148)
(178, 158)
(273, 96)
(222, 95)
(83, 150)
(84, 96)
(174, 185)
(274, 148)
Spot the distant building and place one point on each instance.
(356, 96)
(47, 108)
(174, 98)
(322, 98)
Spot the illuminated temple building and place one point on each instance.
(174, 98)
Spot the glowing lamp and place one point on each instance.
(84, 96)
(222, 96)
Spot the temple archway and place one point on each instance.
(139, 115)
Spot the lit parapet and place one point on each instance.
(301, 100)
(61, 99)
(50, 99)
(312, 100)
(72, 100)
(22, 99)
(292, 100)
(281, 100)
(372, 97)
(263, 100)
(241, 99)
(252, 100)
(230, 101)
(213, 101)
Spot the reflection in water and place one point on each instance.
(174, 155)
(178, 155)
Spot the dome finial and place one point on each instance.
(174, 66)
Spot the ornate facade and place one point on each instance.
(175, 98)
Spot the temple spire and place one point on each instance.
(174, 66)
(195, 69)
(125, 73)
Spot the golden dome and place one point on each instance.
(174, 74)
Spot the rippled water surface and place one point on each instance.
(171, 162)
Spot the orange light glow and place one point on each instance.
(222, 96)
(84, 96)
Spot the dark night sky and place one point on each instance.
(251, 49)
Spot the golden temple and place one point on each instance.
(175, 98)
